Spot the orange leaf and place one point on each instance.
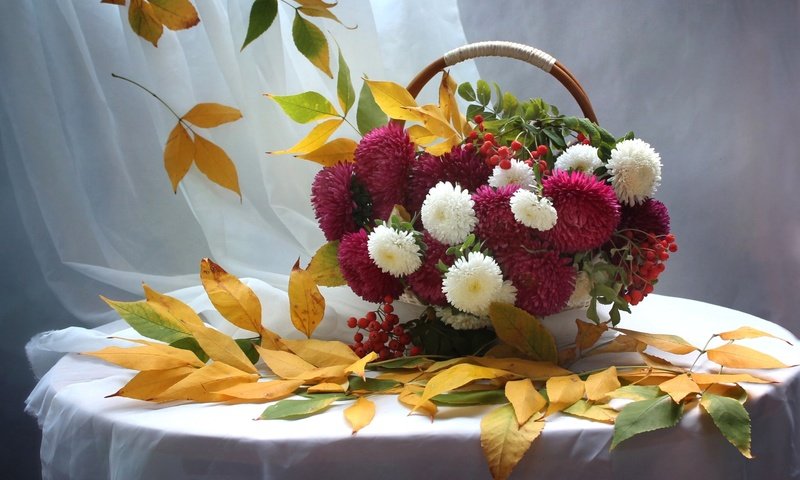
(745, 332)
(220, 347)
(234, 300)
(149, 383)
(306, 303)
(620, 343)
(329, 387)
(563, 392)
(315, 138)
(144, 22)
(215, 164)
(175, 14)
(284, 364)
(679, 387)
(410, 397)
(667, 343)
(737, 356)
(207, 115)
(360, 414)
(535, 370)
(524, 398)
(171, 307)
(504, 442)
(341, 150)
(261, 391)
(588, 333)
(200, 384)
(148, 357)
(709, 378)
(598, 385)
(323, 374)
(357, 368)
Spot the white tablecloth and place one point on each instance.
(87, 436)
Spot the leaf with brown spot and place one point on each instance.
(215, 164)
(208, 115)
(306, 303)
(144, 22)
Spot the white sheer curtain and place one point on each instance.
(84, 150)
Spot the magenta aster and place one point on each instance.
(383, 162)
(426, 282)
(361, 273)
(340, 203)
(496, 223)
(544, 280)
(461, 166)
(651, 216)
(588, 210)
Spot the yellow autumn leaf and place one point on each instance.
(178, 155)
(738, 356)
(503, 350)
(711, 378)
(171, 308)
(220, 347)
(200, 384)
(443, 364)
(341, 150)
(667, 343)
(441, 148)
(232, 298)
(448, 103)
(322, 374)
(261, 391)
(322, 353)
(535, 370)
(411, 397)
(146, 384)
(746, 332)
(143, 21)
(329, 387)
(598, 413)
(504, 442)
(175, 14)
(402, 376)
(148, 357)
(284, 364)
(433, 120)
(315, 138)
(619, 344)
(393, 99)
(679, 387)
(357, 368)
(458, 376)
(658, 362)
(208, 115)
(306, 303)
(360, 413)
(316, 3)
(588, 333)
(215, 164)
(598, 385)
(524, 398)
(563, 392)
(421, 135)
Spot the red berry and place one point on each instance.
(542, 150)
(374, 336)
(371, 316)
(581, 137)
(673, 247)
(398, 330)
(415, 351)
(352, 322)
(663, 256)
(529, 163)
(494, 160)
(360, 351)
(648, 288)
(386, 326)
(636, 296)
(505, 164)
(586, 142)
(503, 151)
(405, 339)
(363, 322)
(516, 145)
(473, 135)
(358, 337)
(489, 137)
(535, 155)
(384, 353)
(388, 299)
(394, 345)
(478, 118)
(388, 308)
(486, 147)
(393, 318)
(470, 147)
(374, 326)
(670, 238)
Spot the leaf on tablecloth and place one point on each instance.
(200, 385)
(148, 357)
(600, 384)
(563, 392)
(284, 364)
(523, 331)
(458, 376)
(147, 321)
(739, 356)
(645, 416)
(322, 374)
(296, 409)
(360, 413)
(357, 368)
(636, 392)
(221, 347)
(306, 304)
(731, 418)
(746, 332)
(232, 298)
(709, 378)
(668, 343)
(504, 442)
(475, 397)
(533, 369)
(524, 398)
(261, 391)
(321, 353)
(329, 387)
(588, 333)
(411, 397)
(619, 344)
(371, 385)
(592, 411)
(679, 387)
(147, 384)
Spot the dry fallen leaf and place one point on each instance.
(306, 303)
(360, 413)
(524, 398)
(504, 442)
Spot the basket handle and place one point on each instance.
(513, 50)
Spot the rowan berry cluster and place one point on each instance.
(380, 331)
(644, 263)
(501, 155)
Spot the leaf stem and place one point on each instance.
(349, 123)
(180, 120)
(702, 352)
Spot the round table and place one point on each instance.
(85, 435)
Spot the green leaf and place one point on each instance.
(190, 343)
(262, 14)
(484, 93)
(402, 362)
(248, 347)
(498, 103)
(344, 85)
(295, 409)
(474, 109)
(466, 92)
(335, 396)
(311, 42)
(731, 419)
(637, 392)
(144, 319)
(556, 139)
(305, 107)
(645, 416)
(369, 115)
(324, 266)
(523, 331)
(477, 397)
(510, 104)
(372, 384)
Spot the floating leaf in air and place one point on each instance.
(341, 150)
(393, 99)
(215, 164)
(175, 14)
(315, 138)
(262, 14)
(143, 21)
(178, 155)
(305, 107)
(208, 115)
(311, 42)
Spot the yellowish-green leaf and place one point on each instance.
(143, 21)
(679, 387)
(732, 420)
(523, 331)
(208, 115)
(598, 413)
(143, 318)
(316, 3)
(588, 333)
(220, 347)
(322, 353)
(458, 376)
(393, 99)
(311, 42)
(175, 14)
(200, 384)
(368, 114)
(284, 364)
(324, 12)
(360, 413)
(504, 442)
(232, 298)
(315, 138)
(563, 392)
(178, 155)
(261, 391)
(344, 84)
(600, 384)
(324, 266)
(411, 397)
(306, 304)
(534, 370)
(401, 376)
(524, 398)
(709, 378)
(357, 368)
(667, 343)
(305, 107)
(215, 164)
(147, 384)
(296, 409)
(636, 392)
(340, 150)
(171, 308)
(746, 332)
(738, 356)
(262, 14)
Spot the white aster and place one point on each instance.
(635, 170)
(395, 252)
(447, 213)
(580, 296)
(507, 293)
(579, 157)
(472, 283)
(520, 174)
(460, 320)
(532, 211)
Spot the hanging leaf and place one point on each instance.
(524, 398)
(449, 105)
(746, 332)
(261, 391)
(143, 21)
(563, 392)
(295, 409)
(147, 321)
(458, 376)
(232, 298)
(324, 266)
(588, 333)
(215, 164)
(357, 368)
(284, 364)
(523, 331)
(504, 442)
(262, 14)
(171, 308)
(323, 12)
(344, 85)
(321, 353)
(208, 115)
(598, 413)
(175, 14)
(393, 99)
(148, 357)
(200, 384)
(315, 138)
(645, 416)
(599, 385)
(667, 343)
(147, 384)
(341, 150)
(679, 387)
(731, 419)
(360, 414)
(178, 155)
(738, 356)
(304, 107)
(306, 304)
(368, 115)
(220, 347)
(311, 42)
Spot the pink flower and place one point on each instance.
(383, 162)
(337, 209)
(426, 282)
(496, 223)
(588, 210)
(651, 216)
(544, 280)
(361, 273)
(461, 166)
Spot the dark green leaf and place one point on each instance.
(247, 346)
(262, 14)
(295, 409)
(731, 419)
(484, 93)
(402, 362)
(190, 343)
(344, 85)
(478, 397)
(474, 109)
(557, 140)
(466, 92)
(369, 115)
(645, 416)
(498, 103)
(311, 42)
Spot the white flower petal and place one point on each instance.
(473, 283)
(520, 174)
(448, 213)
(579, 157)
(532, 211)
(395, 252)
(635, 170)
